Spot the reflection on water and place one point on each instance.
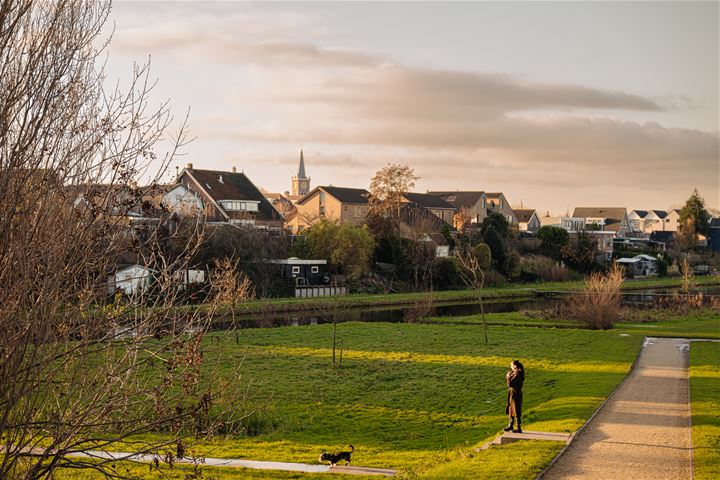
(405, 313)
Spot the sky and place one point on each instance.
(556, 104)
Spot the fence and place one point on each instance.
(319, 291)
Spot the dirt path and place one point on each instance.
(643, 431)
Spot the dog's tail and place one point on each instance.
(352, 449)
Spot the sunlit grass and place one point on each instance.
(408, 392)
(705, 398)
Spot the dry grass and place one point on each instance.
(598, 305)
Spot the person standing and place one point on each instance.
(514, 379)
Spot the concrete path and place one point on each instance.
(254, 464)
(643, 431)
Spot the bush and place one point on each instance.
(446, 273)
(553, 240)
(494, 279)
(483, 255)
(598, 305)
(538, 268)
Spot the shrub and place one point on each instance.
(535, 268)
(494, 279)
(446, 273)
(598, 305)
(483, 255)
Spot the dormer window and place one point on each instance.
(240, 205)
(220, 179)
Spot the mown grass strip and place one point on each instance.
(705, 404)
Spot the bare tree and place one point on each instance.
(336, 310)
(230, 288)
(473, 276)
(77, 374)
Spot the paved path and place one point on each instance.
(254, 464)
(643, 431)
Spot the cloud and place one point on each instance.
(281, 84)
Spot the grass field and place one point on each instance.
(658, 323)
(421, 397)
(705, 398)
(411, 396)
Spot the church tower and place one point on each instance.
(300, 182)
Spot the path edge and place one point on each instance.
(577, 432)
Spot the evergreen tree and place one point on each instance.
(694, 220)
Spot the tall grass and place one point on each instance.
(598, 305)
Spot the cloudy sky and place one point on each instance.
(557, 104)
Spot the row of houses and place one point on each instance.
(230, 197)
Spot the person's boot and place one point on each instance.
(511, 422)
(519, 428)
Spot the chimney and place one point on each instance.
(234, 170)
(189, 166)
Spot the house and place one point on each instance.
(338, 204)
(605, 219)
(636, 218)
(604, 241)
(224, 197)
(571, 224)
(470, 207)
(672, 220)
(442, 209)
(419, 224)
(131, 280)
(663, 236)
(639, 266)
(301, 272)
(497, 203)
(439, 242)
(714, 235)
(528, 220)
(282, 202)
(308, 278)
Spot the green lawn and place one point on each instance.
(705, 398)
(407, 393)
(420, 397)
(658, 323)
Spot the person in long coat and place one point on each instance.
(514, 379)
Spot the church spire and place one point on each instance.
(301, 170)
(301, 182)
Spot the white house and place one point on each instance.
(183, 201)
(612, 219)
(639, 266)
(130, 280)
(571, 224)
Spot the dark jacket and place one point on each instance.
(515, 382)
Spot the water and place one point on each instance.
(420, 312)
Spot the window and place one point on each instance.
(358, 211)
(295, 269)
(240, 206)
(314, 269)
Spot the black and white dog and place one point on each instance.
(334, 458)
